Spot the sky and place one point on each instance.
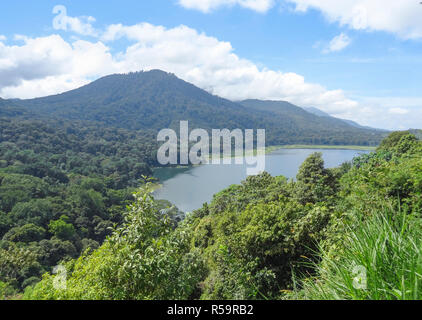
(355, 59)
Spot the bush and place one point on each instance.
(143, 259)
(30, 282)
(27, 233)
(38, 211)
(381, 259)
(61, 229)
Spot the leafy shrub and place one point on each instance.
(143, 259)
(61, 228)
(26, 233)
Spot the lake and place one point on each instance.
(190, 188)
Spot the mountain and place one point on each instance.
(311, 118)
(157, 100)
(142, 100)
(296, 116)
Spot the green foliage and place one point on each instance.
(381, 260)
(16, 188)
(5, 290)
(253, 235)
(377, 229)
(36, 211)
(26, 233)
(52, 251)
(5, 224)
(16, 264)
(61, 228)
(30, 282)
(53, 168)
(233, 278)
(314, 182)
(143, 259)
(51, 149)
(89, 245)
(392, 140)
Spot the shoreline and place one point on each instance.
(271, 149)
(322, 147)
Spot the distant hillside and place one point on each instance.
(417, 133)
(9, 109)
(297, 115)
(321, 113)
(311, 119)
(157, 100)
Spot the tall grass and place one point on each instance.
(385, 248)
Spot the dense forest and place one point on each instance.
(63, 185)
(352, 232)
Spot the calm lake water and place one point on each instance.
(190, 188)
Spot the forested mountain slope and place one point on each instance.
(307, 118)
(157, 100)
(297, 115)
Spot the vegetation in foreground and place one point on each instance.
(352, 232)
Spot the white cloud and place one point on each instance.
(338, 43)
(36, 58)
(398, 111)
(388, 112)
(48, 65)
(401, 17)
(81, 25)
(394, 102)
(2, 37)
(209, 5)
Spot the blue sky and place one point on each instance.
(360, 60)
